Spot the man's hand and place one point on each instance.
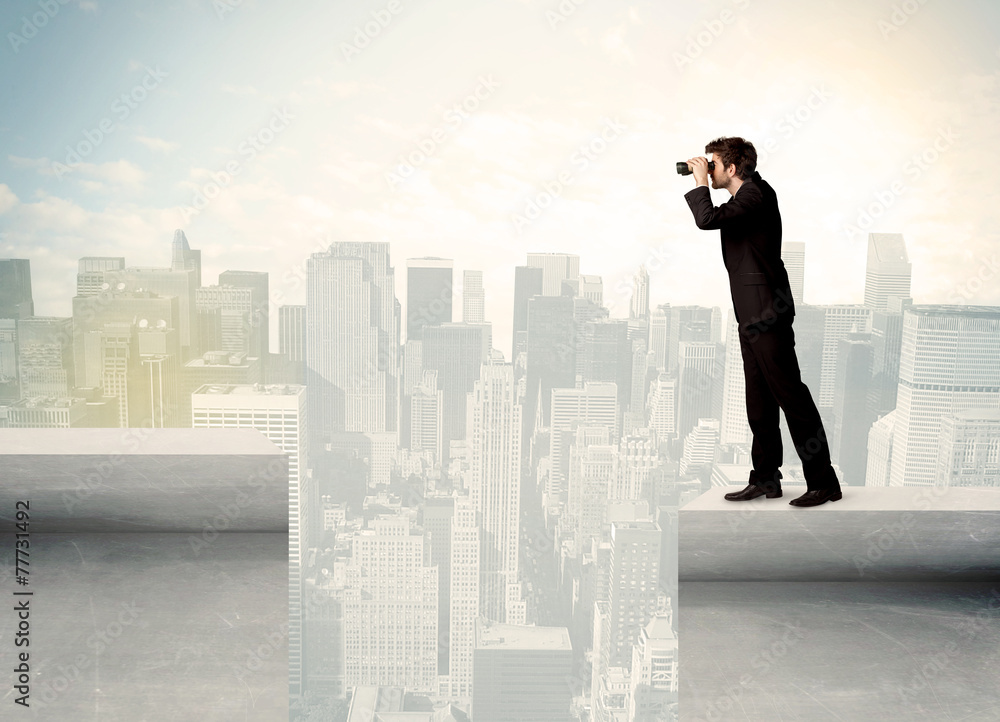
(699, 166)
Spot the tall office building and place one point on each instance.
(633, 581)
(473, 297)
(700, 446)
(594, 404)
(949, 362)
(888, 270)
(699, 383)
(182, 258)
(45, 356)
(852, 418)
(589, 287)
(527, 283)
(693, 324)
(551, 355)
(604, 353)
(258, 316)
(10, 389)
(456, 351)
(120, 370)
(159, 358)
(292, 332)
(90, 273)
(113, 305)
(880, 450)
(279, 413)
(437, 516)
(839, 322)
(493, 433)
(639, 308)
(593, 469)
(735, 429)
(793, 256)
(556, 268)
(520, 673)
(352, 340)
(15, 288)
(290, 363)
(969, 451)
(463, 598)
(886, 339)
(659, 335)
(391, 609)
(223, 317)
(427, 416)
(638, 456)
(663, 406)
(429, 290)
(653, 682)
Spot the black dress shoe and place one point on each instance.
(816, 497)
(752, 491)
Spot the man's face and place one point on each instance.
(721, 177)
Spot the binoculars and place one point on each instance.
(684, 169)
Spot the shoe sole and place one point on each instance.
(767, 494)
(838, 497)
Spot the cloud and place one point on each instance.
(158, 144)
(7, 198)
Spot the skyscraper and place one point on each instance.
(527, 283)
(520, 673)
(852, 418)
(494, 438)
(949, 362)
(391, 609)
(699, 383)
(456, 351)
(888, 270)
(793, 255)
(556, 268)
(15, 288)
(463, 597)
(90, 273)
(687, 323)
(45, 356)
(182, 258)
(258, 316)
(278, 412)
(639, 308)
(473, 297)
(659, 335)
(633, 585)
(594, 404)
(429, 290)
(352, 340)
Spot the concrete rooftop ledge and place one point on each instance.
(205, 481)
(872, 534)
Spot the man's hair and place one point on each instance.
(735, 151)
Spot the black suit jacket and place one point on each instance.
(750, 225)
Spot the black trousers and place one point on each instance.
(773, 381)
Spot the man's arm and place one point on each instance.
(708, 217)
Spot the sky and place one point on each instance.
(482, 131)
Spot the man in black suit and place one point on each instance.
(750, 225)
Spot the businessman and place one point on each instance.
(750, 226)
